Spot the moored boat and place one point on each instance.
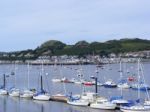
(14, 92)
(78, 102)
(42, 95)
(27, 94)
(3, 90)
(104, 105)
(109, 84)
(135, 108)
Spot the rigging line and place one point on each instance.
(142, 72)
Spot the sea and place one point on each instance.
(21, 80)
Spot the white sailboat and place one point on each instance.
(27, 93)
(14, 92)
(89, 96)
(119, 100)
(56, 79)
(123, 83)
(3, 90)
(42, 95)
(61, 95)
(137, 107)
(105, 105)
(78, 102)
(100, 102)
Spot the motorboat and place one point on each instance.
(109, 84)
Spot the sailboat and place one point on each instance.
(14, 92)
(3, 90)
(122, 83)
(56, 79)
(27, 93)
(140, 85)
(100, 102)
(103, 104)
(42, 95)
(60, 96)
(78, 100)
(137, 107)
(119, 100)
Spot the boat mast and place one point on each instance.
(41, 77)
(28, 74)
(4, 80)
(138, 78)
(96, 79)
(15, 74)
(121, 74)
(96, 90)
(41, 83)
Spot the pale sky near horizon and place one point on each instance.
(26, 24)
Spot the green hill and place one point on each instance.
(84, 48)
(81, 48)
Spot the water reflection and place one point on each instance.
(87, 109)
(11, 104)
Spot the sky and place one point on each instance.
(26, 24)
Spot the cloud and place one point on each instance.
(35, 21)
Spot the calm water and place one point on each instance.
(10, 104)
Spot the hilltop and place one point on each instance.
(81, 48)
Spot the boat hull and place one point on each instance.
(14, 94)
(135, 109)
(78, 103)
(3, 92)
(42, 97)
(105, 106)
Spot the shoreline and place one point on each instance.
(39, 62)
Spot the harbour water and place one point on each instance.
(11, 104)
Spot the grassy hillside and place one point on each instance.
(81, 48)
